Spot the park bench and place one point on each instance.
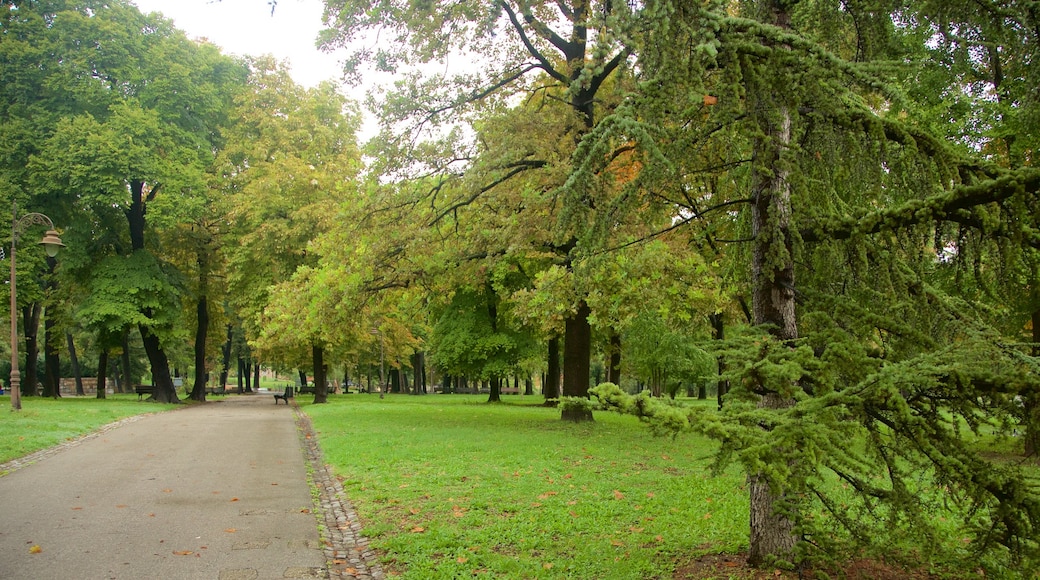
(142, 390)
(307, 390)
(215, 391)
(288, 394)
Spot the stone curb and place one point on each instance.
(347, 552)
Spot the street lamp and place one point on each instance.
(382, 378)
(51, 244)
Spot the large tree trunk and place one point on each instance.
(577, 352)
(772, 275)
(102, 373)
(164, 391)
(551, 385)
(74, 362)
(419, 368)
(31, 325)
(198, 390)
(496, 390)
(321, 387)
(256, 377)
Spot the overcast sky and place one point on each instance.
(247, 27)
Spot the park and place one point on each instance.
(616, 289)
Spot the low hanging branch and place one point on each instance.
(955, 205)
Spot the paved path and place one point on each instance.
(215, 491)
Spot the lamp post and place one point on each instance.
(51, 243)
(382, 378)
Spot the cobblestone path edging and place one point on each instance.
(346, 551)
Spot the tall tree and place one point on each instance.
(849, 184)
(567, 51)
(135, 114)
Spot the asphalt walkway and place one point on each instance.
(219, 491)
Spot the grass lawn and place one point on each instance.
(449, 487)
(44, 422)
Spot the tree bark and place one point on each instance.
(419, 369)
(551, 386)
(127, 372)
(256, 377)
(719, 333)
(577, 352)
(51, 359)
(198, 390)
(495, 395)
(225, 351)
(31, 326)
(772, 276)
(102, 374)
(164, 391)
(74, 362)
(321, 387)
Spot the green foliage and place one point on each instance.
(471, 338)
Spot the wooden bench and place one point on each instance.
(142, 390)
(288, 394)
(215, 391)
(307, 390)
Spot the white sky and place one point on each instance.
(246, 27)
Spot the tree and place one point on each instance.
(541, 50)
(847, 189)
(293, 154)
(132, 111)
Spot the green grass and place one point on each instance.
(44, 422)
(449, 487)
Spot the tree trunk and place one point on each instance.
(719, 333)
(225, 351)
(496, 390)
(126, 370)
(51, 359)
(528, 386)
(395, 380)
(551, 385)
(31, 326)
(772, 277)
(198, 390)
(164, 391)
(321, 387)
(102, 374)
(256, 377)
(577, 352)
(74, 362)
(419, 369)
(614, 361)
